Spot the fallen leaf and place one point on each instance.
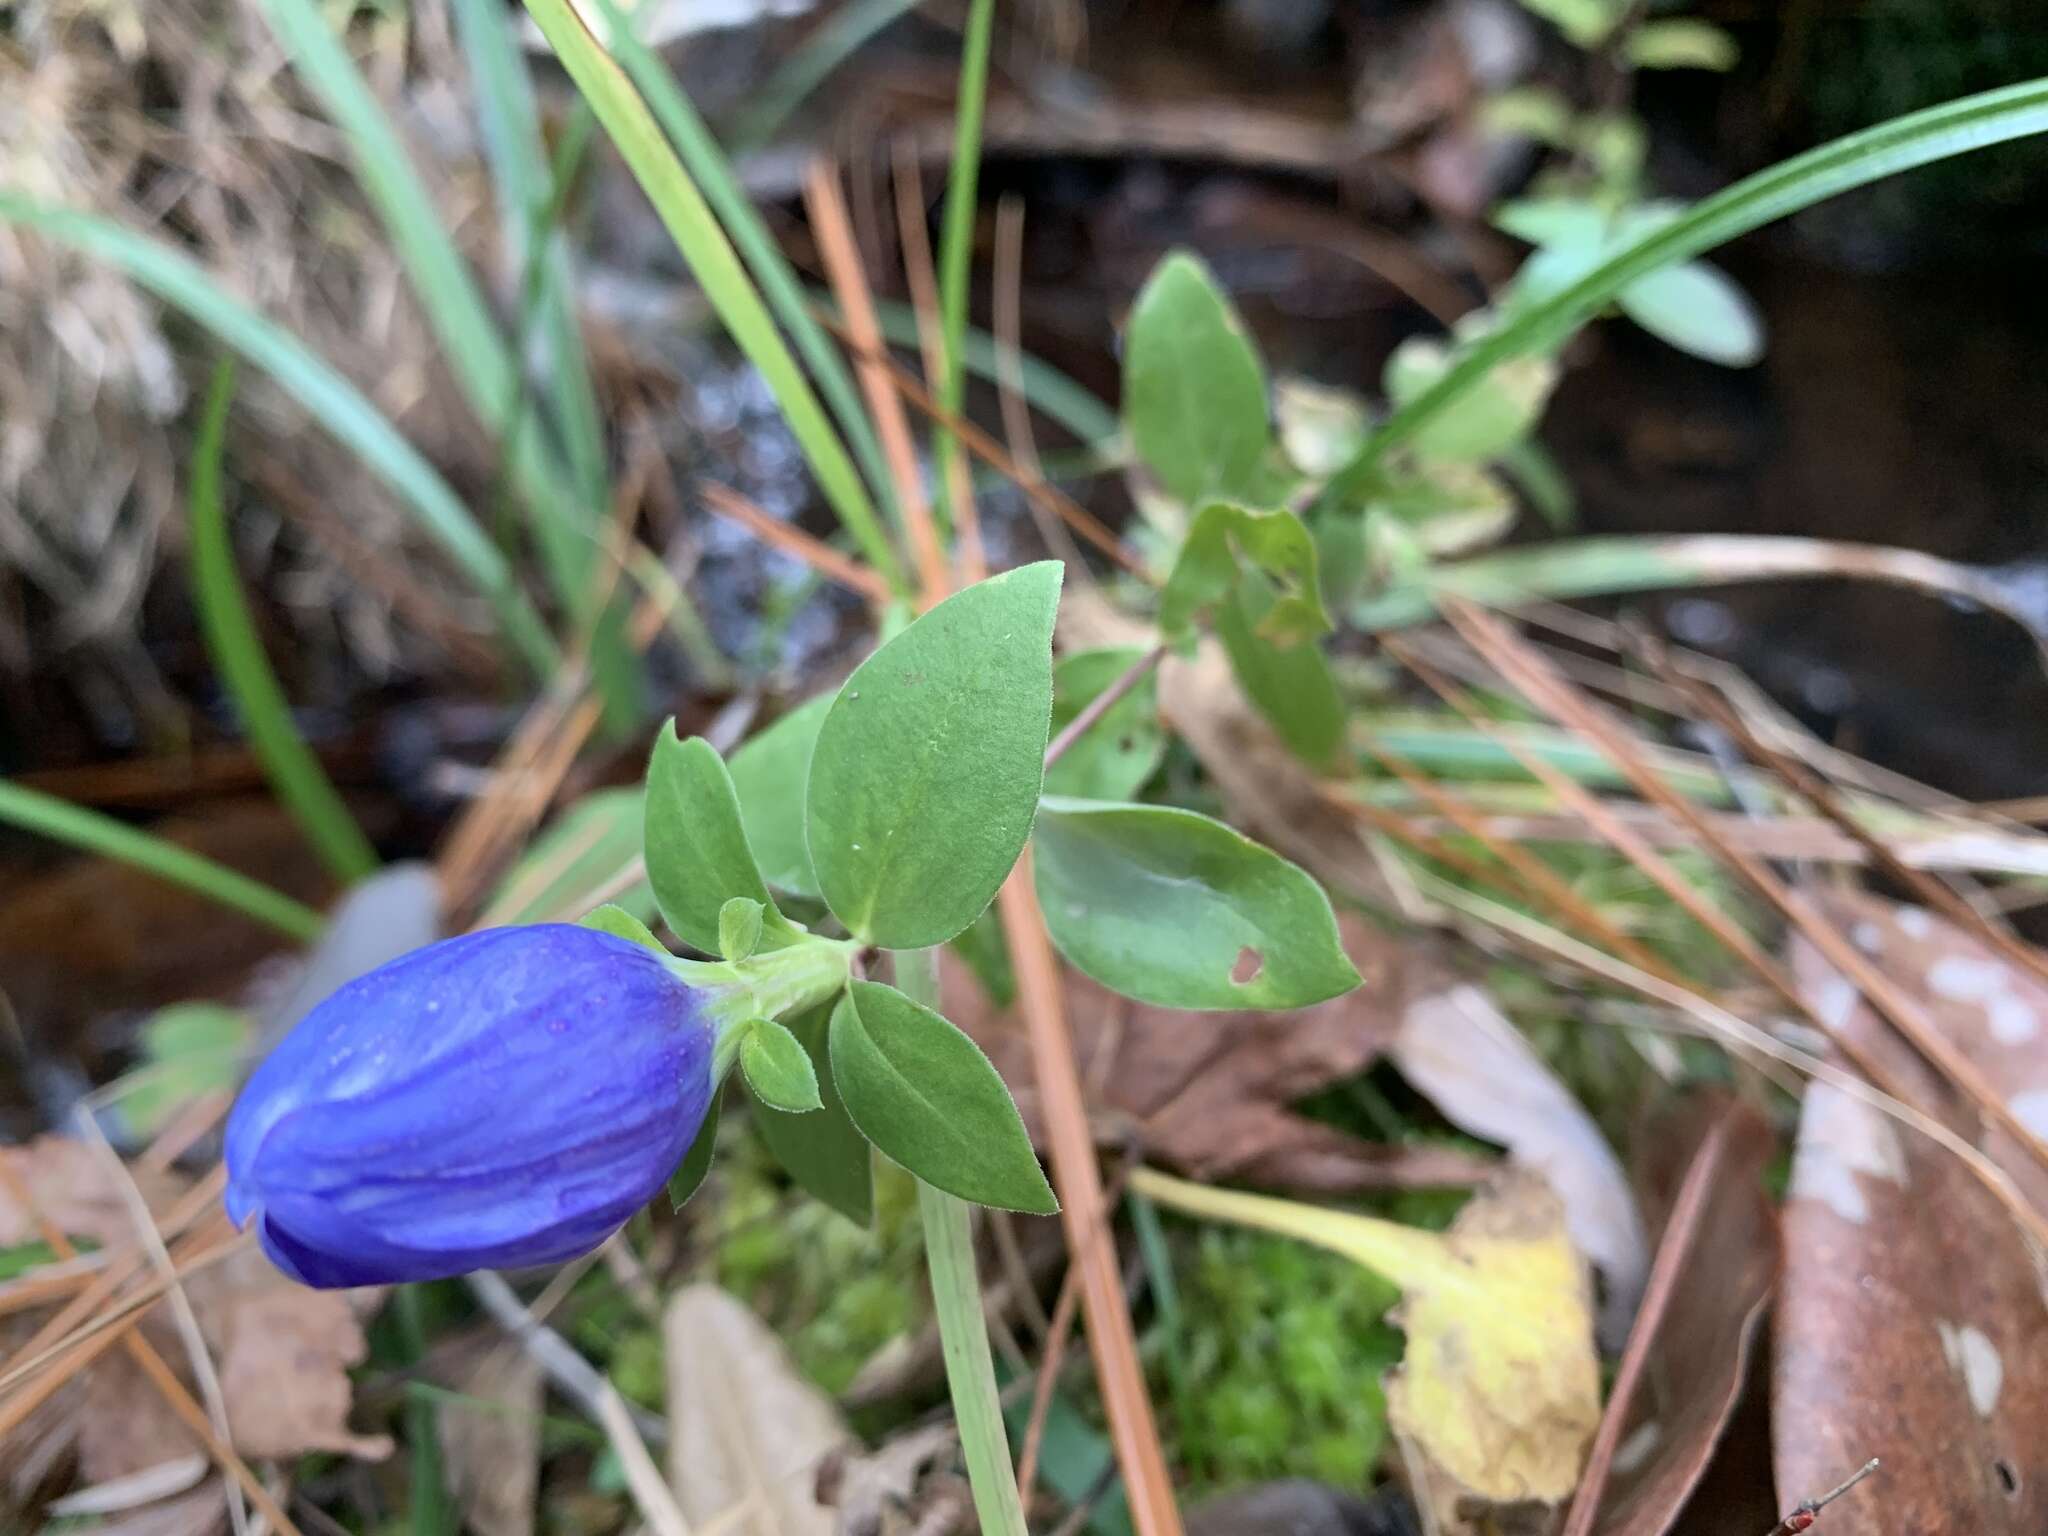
(1699, 1357)
(490, 1441)
(1457, 1047)
(282, 1352)
(747, 1433)
(1498, 1389)
(1910, 1322)
(1211, 1093)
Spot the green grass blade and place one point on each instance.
(704, 245)
(90, 832)
(564, 526)
(956, 243)
(707, 163)
(1918, 138)
(331, 400)
(294, 771)
(834, 42)
(529, 196)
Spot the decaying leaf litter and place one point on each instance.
(1515, 1029)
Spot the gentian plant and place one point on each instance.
(512, 1096)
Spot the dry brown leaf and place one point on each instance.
(747, 1433)
(1211, 1093)
(1699, 1357)
(1462, 1053)
(283, 1352)
(490, 1444)
(1911, 1324)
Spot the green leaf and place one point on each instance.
(779, 1069)
(1226, 540)
(1682, 42)
(1494, 414)
(690, 1172)
(1918, 138)
(188, 1050)
(1113, 758)
(1585, 23)
(1446, 508)
(621, 924)
(1698, 309)
(822, 1150)
(294, 771)
(1194, 390)
(697, 853)
(1175, 909)
(1320, 427)
(739, 928)
(769, 772)
(1292, 686)
(587, 849)
(929, 763)
(923, 1093)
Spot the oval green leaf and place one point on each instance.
(923, 1092)
(1292, 686)
(1697, 308)
(1172, 908)
(1194, 390)
(929, 763)
(697, 853)
(823, 1151)
(739, 928)
(1113, 758)
(621, 924)
(779, 1069)
(769, 773)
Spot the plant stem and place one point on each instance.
(956, 1295)
(956, 245)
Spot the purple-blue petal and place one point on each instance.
(503, 1099)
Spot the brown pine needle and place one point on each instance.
(812, 550)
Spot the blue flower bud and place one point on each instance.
(502, 1099)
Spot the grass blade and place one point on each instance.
(956, 241)
(1918, 138)
(529, 200)
(330, 399)
(779, 287)
(90, 832)
(454, 303)
(294, 772)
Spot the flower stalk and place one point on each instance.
(963, 1335)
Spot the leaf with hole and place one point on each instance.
(1113, 758)
(928, 766)
(823, 1151)
(1292, 685)
(1194, 389)
(769, 772)
(1227, 540)
(1172, 908)
(696, 1164)
(697, 853)
(923, 1093)
(779, 1069)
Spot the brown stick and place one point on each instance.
(813, 551)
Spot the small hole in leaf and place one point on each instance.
(2008, 1479)
(1126, 744)
(1247, 966)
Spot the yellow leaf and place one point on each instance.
(1500, 1385)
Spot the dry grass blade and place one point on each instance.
(1084, 1211)
(813, 551)
(1818, 793)
(834, 232)
(1050, 1362)
(1533, 676)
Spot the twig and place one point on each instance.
(1803, 1514)
(1050, 1360)
(574, 1377)
(1102, 704)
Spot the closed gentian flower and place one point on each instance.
(502, 1099)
